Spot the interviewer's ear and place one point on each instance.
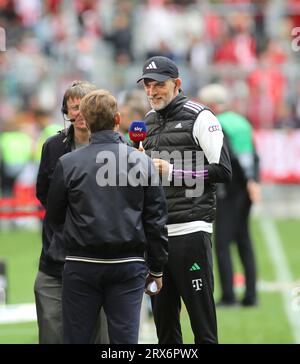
(117, 118)
(178, 83)
(87, 126)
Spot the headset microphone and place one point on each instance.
(138, 132)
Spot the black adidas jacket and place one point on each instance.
(170, 130)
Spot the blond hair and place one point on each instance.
(99, 108)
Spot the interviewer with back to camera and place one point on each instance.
(176, 123)
(108, 228)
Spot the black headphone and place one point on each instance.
(64, 108)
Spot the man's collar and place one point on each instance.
(108, 136)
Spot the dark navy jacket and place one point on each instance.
(107, 216)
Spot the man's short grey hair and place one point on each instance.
(214, 93)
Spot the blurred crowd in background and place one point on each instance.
(246, 45)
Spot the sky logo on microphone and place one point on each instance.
(137, 131)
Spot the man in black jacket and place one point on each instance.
(185, 131)
(48, 284)
(113, 209)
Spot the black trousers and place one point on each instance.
(188, 275)
(232, 224)
(89, 286)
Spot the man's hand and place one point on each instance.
(254, 191)
(141, 148)
(162, 166)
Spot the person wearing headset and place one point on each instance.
(48, 283)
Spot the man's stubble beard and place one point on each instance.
(163, 103)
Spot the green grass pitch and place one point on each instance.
(265, 324)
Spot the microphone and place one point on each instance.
(138, 132)
(69, 120)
